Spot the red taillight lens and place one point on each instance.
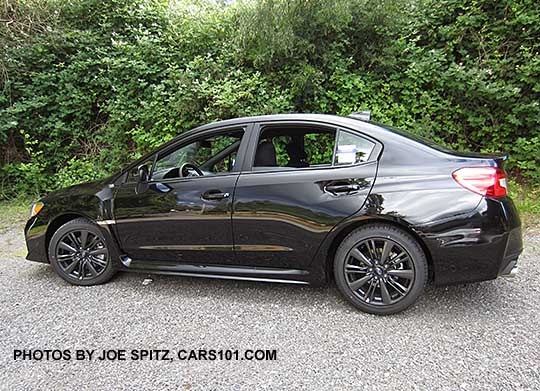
(486, 181)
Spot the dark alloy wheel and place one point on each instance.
(380, 269)
(79, 254)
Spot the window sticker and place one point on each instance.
(346, 154)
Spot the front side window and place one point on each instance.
(210, 155)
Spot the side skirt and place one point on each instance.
(286, 276)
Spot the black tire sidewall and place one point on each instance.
(397, 235)
(74, 225)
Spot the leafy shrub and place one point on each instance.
(86, 85)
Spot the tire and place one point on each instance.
(80, 254)
(380, 269)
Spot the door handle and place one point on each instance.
(215, 195)
(344, 188)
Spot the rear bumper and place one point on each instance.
(511, 270)
(477, 247)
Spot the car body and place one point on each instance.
(270, 222)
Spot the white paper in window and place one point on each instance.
(346, 154)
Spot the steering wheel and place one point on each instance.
(190, 169)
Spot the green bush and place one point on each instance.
(88, 85)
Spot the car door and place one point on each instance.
(176, 219)
(286, 204)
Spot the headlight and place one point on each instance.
(36, 208)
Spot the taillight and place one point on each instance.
(486, 181)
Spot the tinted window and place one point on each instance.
(213, 154)
(295, 147)
(302, 147)
(352, 149)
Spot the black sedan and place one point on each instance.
(295, 198)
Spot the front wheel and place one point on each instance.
(380, 269)
(79, 254)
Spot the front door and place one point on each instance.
(183, 213)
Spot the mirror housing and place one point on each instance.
(143, 173)
(142, 184)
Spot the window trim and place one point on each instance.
(258, 127)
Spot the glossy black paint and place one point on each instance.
(285, 224)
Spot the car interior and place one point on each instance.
(289, 147)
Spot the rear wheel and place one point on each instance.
(79, 253)
(380, 269)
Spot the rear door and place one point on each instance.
(299, 180)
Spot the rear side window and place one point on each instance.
(295, 147)
(352, 149)
(302, 146)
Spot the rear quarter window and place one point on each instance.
(352, 149)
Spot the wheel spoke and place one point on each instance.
(65, 257)
(72, 266)
(99, 251)
(93, 243)
(386, 251)
(84, 237)
(398, 259)
(98, 261)
(403, 273)
(355, 269)
(385, 295)
(360, 282)
(372, 249)
(357, 254)
(368, 296)
(67, 247)
(81, 270)
(74, 240)
(398, 287)
(92, 269)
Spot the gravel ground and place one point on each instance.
(474, 337)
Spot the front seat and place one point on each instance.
(297, 155)
(265, 155)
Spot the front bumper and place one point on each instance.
(35, 236)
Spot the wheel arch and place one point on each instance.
(345, 229)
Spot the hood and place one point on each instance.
(86, 188)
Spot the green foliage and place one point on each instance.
(527, 200)
(87, 85)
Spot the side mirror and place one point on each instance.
(142, 184)
(143, 173)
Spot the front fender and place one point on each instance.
(61, 207)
